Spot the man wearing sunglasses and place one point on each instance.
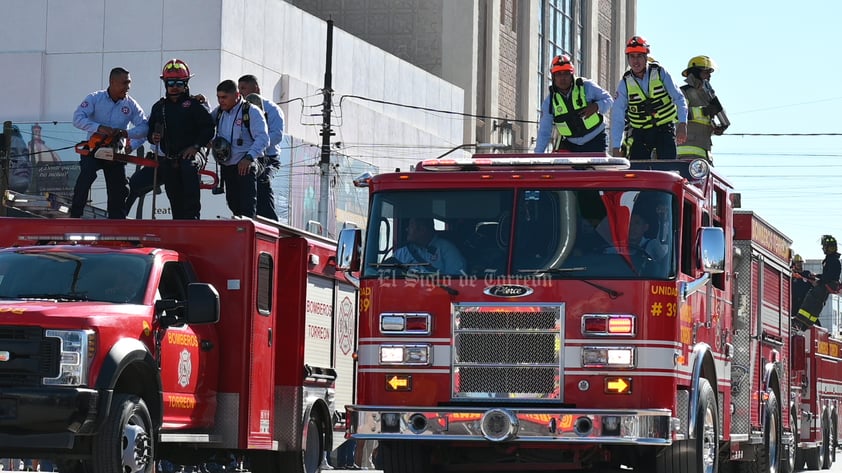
(108, 111)
(649, 101)
(180, 125)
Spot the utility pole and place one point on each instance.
(326, 132)
(7, 159)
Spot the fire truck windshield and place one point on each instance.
(78, 276)
(558, 233)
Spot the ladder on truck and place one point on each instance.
(46, 205)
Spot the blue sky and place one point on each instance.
(779, 66)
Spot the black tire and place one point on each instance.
(699, 454)
(827, 442)
(125, 442)
(813, 458)
(769, 454)
(72, 466)
(309, 459)
(788, 464)
(405, 457)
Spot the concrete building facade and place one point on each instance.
(497, 51)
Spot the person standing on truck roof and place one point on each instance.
(800, 282)
(648, 98)
(180, 125)
(823, 285)
(702, 106)
(269, 162)
(108, 111)
(241, 138)
(576, 107)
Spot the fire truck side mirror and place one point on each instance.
(202, 304)
(712, 250)
(797, 358)
(348, 250)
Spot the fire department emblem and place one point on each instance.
(346, 325)
(125, 110)
(185, 104)
(84, 104)
(185, 368)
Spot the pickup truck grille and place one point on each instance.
(31, 356)
(507, 352)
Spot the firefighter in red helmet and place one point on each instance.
(648, 99)
(575, 106)
(180, 126)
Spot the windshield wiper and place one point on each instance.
(54, 296)
(574, 269)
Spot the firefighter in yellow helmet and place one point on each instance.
(654, 107)
(575, 106)
(825, 283)
(705, 115)
(800, 282)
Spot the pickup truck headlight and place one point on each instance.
(76, 351)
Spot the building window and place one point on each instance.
(556, 33)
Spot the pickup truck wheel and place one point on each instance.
(125, 442)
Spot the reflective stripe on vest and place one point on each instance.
(570, 123)
(697, 115)
(690, 150)
(655, 110)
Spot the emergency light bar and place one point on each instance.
(88, 237)
(525, 162)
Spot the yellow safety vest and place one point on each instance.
(657, 108)
(568, 122)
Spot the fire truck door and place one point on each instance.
(262, 340)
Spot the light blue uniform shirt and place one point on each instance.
(621, 103)
(439, 255)
(593, 94)
(231, 128)
(99, 108)
(275, 122)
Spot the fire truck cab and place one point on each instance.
(123, 343)
(593, 318)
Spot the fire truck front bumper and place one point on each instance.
(46, 419)
(510, 424)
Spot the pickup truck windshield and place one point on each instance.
(79, 276)
(556, 233)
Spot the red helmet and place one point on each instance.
(562, 63)
(637, 45)
(176, 69)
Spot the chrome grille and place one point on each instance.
(507, 351)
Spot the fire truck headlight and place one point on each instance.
(76, 350)
(405, 355)
(405, 323)
(610, 357)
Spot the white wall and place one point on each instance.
(53, 53)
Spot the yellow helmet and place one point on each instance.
(797, 259)
(700, 62)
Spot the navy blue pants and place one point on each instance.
(240, 191)
(597, 144)
(265, 194)
(660, 139)
(116, 185)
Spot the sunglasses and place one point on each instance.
(176, 83)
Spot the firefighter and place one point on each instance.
(424, 247)
(648, 98)
(270, 163)
(241, 138)
(825, 283)
(800, 282)
(108, 111)
(702, 106)
(180, 125)
(576, 106)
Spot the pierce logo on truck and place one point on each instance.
(508, 290)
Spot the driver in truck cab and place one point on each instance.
(432, 252)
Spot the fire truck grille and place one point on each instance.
(507, 352)
(31, 356)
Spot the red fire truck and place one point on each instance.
(817, 395)
(566, 312)
(123, 343)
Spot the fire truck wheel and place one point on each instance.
(793, 456)
(308, 460)
(827, 441)
(701, 453)
(125, 440)
(404, 457)
(72, 466)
